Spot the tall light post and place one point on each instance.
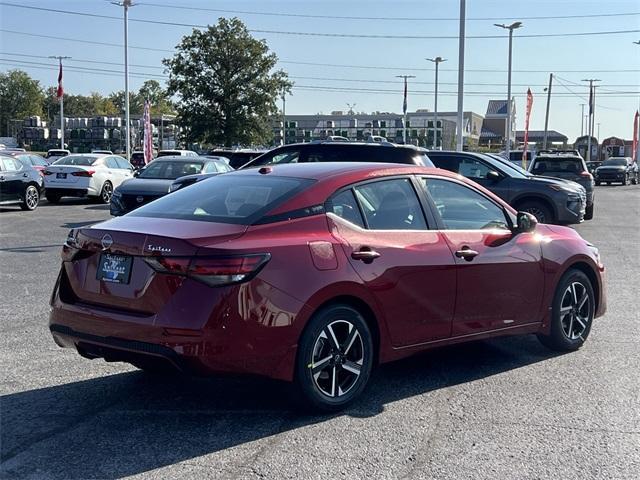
(404, 107)
(591, 116)
(126, 4)
(284, 119)
(60, 58)
(511, 28)
(437, 61)
(459, 126)
(350, 112)
(582, 120)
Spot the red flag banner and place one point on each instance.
(148, 133)
(526, 127)
(60, 91)
(634, 148)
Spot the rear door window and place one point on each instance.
(391, 205)
(557, 165)
(111, 163)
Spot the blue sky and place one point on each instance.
(570, 58)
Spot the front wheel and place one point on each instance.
(572, 313)
(588, 213)
(334, 360)
(106, 192)
(538, 210)
(31, 198)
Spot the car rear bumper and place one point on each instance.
(233, 337)
(68, 192)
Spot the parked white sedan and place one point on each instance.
(85, 175)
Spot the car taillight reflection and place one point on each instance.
(214, 271)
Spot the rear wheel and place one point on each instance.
(571, 313)
(106, 192)
(335, 357)
(539, 210)
(31, 198)
(52, 197)
(625, 180)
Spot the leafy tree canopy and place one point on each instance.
(20, 97)
(225, 84)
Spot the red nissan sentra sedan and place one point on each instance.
(313, 273)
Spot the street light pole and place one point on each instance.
(126, 4)
(582, 120)
(60, 58)
(459, 125)
(404, 107)
(546, 117)
(511, 28)
(284, 120)
(592, 104)
(437, 61)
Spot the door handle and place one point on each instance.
(366, 255)
(466, 253)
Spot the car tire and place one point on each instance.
(588, 213)
(539, 210)
(334, 359)
(52, 197)
(572, 313)
(31, 198)
(106, 192)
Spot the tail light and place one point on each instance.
(83, 173)
(586, 174)
(214, 271)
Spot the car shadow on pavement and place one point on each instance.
(130, 423)
(79, 224)
(30, 248)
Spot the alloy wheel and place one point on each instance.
(31, 197)
(536, 212)
(575, 310)
(107, 190)
(337, 358)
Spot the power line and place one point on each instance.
(335, 65)
(331, 35)
(296, 77)
(341, 17)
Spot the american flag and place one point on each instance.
(148, 133)
(60, 91)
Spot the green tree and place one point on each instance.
(136, 104)
(20, 97)
(157, 96)
(225, 85)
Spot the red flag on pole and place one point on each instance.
(60, 91)
(634, 148)
(526, 127)
(148, 133)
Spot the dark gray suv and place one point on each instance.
(343, 152)
(550, 200)
(569, 165)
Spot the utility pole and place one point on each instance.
(437, 61)
(459, 125)
(284, 120)
(598, 137)
(351, 106)
(546, 118)
(511, 28)
(60, 58)
(582, 120)
(126, 4)
(404, 107)
(592, 105)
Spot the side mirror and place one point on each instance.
(137, 173)
(525, 222)
(493, 176)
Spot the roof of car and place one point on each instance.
(180, 158)
(326, 144)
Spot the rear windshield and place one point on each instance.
(238, 199)
(557, 165)
(170, 170)
(618, 162)
(76, 160)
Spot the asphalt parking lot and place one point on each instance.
(499, 409)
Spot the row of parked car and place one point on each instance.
(557, 188)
